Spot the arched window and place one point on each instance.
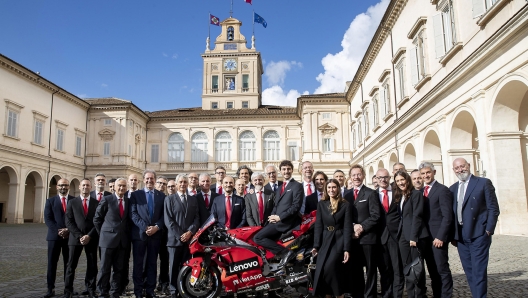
(246, 145)
(230, 33)
(223, 146)
(271, 145)
(199, 144)
(176, 147)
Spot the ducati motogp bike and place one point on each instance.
(226, 262)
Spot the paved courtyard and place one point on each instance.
(23, 265)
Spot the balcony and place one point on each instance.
(199, 165)
(226, 165)
(175, 166)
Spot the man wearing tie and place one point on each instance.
(99, 192)
(272, 185)
(319, 180)
(111, 222)
(259, 203)
(308, 186)
(340, 176)
(476, 212)
(83, 235)
(220, 173)
(387, 247)
(205, 197)
(193, 187)
(365, 205)
(438, 219)
(182, 219)
(229, 209)
(54, 216)
(146, 212)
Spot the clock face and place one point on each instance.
(230, 64)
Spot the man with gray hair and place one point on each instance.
(273, 185)
(259, 203)
(99, 183)
(205, 197)
(438, 219)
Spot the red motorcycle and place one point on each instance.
(228, 262)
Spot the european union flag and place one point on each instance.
(259, 19)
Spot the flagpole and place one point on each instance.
(231, 11)
(253, 16)
(209, 22)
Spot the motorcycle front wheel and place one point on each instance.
(209, 287)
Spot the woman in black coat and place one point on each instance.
(332, 242)
(413, 232)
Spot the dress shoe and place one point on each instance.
(92, 294)
(50, 293)
(165, 290)
(85, 293)
(67, 295)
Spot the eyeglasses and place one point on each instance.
(271, 173)
(160, 182)
(220, 173)
(63, 185)
(171, 186)
(383, 177)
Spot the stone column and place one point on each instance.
(15, 204)
(40, 202)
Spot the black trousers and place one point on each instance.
(145, 265)
(55, 247)
(390, 268)
(164, 259)
(357, 261)
(437, 260)
(112, 263)
(371, 282)
(177, 256)
(125, 276)
(90, 251)
(267, 238)
(408, 254)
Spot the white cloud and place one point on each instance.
(164, 54)
(276, 96)
(276, 71)
(82, 95)
(174, 56)
(342, 66)
(103, 85)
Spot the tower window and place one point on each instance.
(245, 83)
(245, 104)
(214, 84)
(230, 33)
(214, 105)
(229, 105)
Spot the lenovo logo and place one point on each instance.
(243, 266)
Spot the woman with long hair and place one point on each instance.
(413, 230)
(332, 242)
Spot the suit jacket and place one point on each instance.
(80, 225)
(93, 194)
(438, 212)
(54, 216)
(140, 216)
(287, 206)
(366, 212)
(389, 222)
(213, 188)
(252, 210)
(277, 192)
(112, 229)
(179, 220)
(238, 211)
(480, 209)
(311, 203)
(412, 223)
(205, 211)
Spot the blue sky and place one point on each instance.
(149, 51)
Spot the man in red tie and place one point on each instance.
(220, 173)
(245, 173)
(387, 249)
(259, 203)
(319, 180)
(205, 197)
(83, 235)
(193, 189)
(308, 185)
(365, 216)
(229, 209)
(54, 216)
(99, 184)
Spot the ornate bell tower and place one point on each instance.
(232, 73)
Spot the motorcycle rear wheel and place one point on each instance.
(211, 290)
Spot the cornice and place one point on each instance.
(237, 54)
(225, 117)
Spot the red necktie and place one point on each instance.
(220, 189)
(308, 189)
(385, 200)
(193, 192)
(426, 191)
(245, 191)
(100, 196)
(85, 207)
(228, 212)
(206, 201)
(64, 204)
(261, 206)
(356, 191)
(121, 209)
(283, 187)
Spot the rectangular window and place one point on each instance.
(78, 145)
(418, 59)
(327, 116)
(245, 83)
(154, 153)
(214, 83)
(12, 123)
(293, 150)
(108, 122)
(229, 105)
(400, 73)
(328, 145)
(444, 30)
(386, 98)
(245, 104)
(214, 105)
(106, 149)
(60, 140)
(481, 6)
(37, 137)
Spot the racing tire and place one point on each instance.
(212, 290)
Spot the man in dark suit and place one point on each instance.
(340, 176)
(194, 188)
(272, 185)
(387, 248)
(220, 173)
(259, 203)
(319, 180)
(438, 219)
(83, 235)
(365, 206)
(229, 209)
(307, 171)
(99, 184)
(146, 212)
(54, 216)
(285, 215)
(111, 221)
(132, 184)
(182, 220)
(476, 212)
(205, 197)
(245, 173)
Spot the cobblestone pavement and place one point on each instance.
(23, 259)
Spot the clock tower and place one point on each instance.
(232, 72)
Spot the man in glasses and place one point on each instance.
(193, 189)
(273, 185)
(161, 184)
(220, 173)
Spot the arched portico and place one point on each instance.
(464, 140)
(432, 153)
(9, 182)
(409, 157)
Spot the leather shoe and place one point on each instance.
(152, 296)
(165, 290)
(50, 293)
(286, 257)
(92, 294)
(85, 293)
(67, 295)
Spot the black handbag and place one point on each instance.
(414, 269)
